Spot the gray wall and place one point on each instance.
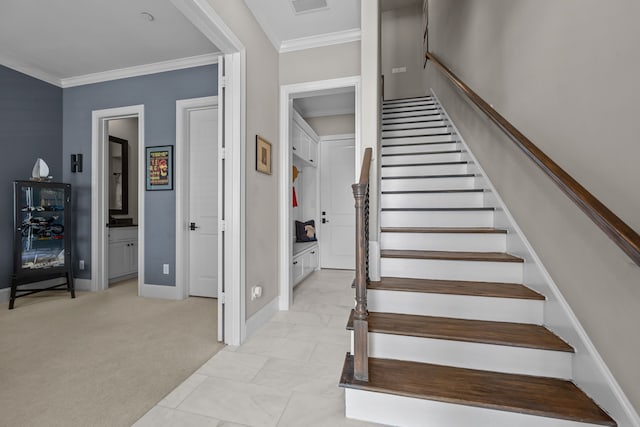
(564, 73)
(401, 46)
(30, 127)
(158, 93)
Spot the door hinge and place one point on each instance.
(222, 152)
(222, 225)
(222, 297)
(225, 81)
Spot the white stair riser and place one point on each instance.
(417, 140)
(436, 218)
(411, 125)
(433, 200)
(413, 132)
(418, 112)
(395, 120)
(408, 103)
(412, 412)
(426, 148)
(471, 355)
(482, 271)
(426, 170)
(457, 306)
(417, 184)
(406, 108)
(475, 242)
(421, 158)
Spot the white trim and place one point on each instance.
(266, 28)
(331, 112)
(182, 162)
(140, 70)
(320, 40)
(598, 381)
(82, 285)
(287, 92)
(263, 315)
(204, 17)
(337, 137)
(159, 291)
(5, 294)
(30, 70)
(99, 211)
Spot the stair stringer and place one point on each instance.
(590, 372)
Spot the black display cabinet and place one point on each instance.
(42, 242)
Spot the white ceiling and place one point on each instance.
(56, 40)
(282, 25)
(328, 103)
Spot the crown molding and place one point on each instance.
(29, 70)
(266, 29)
(141, 70)
(320, 40)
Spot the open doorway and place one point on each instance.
(320, 144)
(122, 189)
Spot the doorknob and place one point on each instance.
(325, 220)
(193, 226)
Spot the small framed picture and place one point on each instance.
(263, 155)
(159, 161)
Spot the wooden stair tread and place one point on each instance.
(423, 153)
(463, 190)
(416, 136)
(451, 255)
(478, 331)
(455, 175)
(447, 230)
(546, 397)
(438, 209)
(456, 287)
(413, 165)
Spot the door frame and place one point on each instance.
(183, 237)
(99, 194)
(287, 94)
(233, 86)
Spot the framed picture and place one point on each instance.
(159, 161)
(263, 155)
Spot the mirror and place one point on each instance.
(118, 176)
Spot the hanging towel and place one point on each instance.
(295, 199)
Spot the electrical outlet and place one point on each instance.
(398, 70)
(256, 292)
(165, 268)
(81, 264)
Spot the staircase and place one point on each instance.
(454, 337)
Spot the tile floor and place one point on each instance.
(285, 375)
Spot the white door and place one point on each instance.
(203, 202)
(337, 220)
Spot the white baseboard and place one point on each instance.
(158, 291)
(590, 371)
(374, 260)
(5, 294)
(256, 321)
(82, 284)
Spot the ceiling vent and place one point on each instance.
(305, 6)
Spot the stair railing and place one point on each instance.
(615, 228)
(360, 319)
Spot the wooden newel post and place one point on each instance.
(360, 320)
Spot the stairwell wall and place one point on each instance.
(564, 73)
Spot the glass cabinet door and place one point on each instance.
(41, 214)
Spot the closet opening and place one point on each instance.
(320, 145)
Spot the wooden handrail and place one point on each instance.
(624, 236)
(360, 318)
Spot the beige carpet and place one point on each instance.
(103, 359)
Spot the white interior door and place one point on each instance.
(203, 202)
(337, 223)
